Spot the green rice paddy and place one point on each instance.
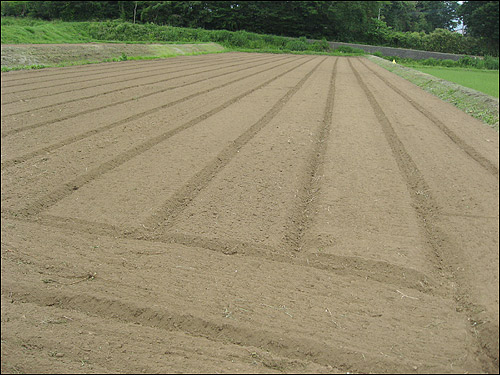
(485, 81)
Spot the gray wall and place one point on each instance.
(401, 52)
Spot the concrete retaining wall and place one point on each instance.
(401, 52)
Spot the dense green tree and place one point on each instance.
(409, 24)
(400, 15)
(419, 15)
(481, 21)
(437, 15)
(65, 10)
(14, 8)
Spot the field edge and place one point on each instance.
(476, 104)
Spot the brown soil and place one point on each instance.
(479, 105)
(15, 55)
(245, 213)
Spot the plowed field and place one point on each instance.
(245, 213)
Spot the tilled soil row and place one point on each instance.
(154, 123)
(149, 103)
(16, 82)
(16, 78)
(449, 205)
(49, 101)
(294, 214)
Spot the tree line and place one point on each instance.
(392, 23)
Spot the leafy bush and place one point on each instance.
(448, 63)
(297, 45)
(349, 49)
(488, 62)
(491, 62)
(125, 31)
(467, 62)
(320, 46)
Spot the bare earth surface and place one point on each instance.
(244, 213)
(15, 55)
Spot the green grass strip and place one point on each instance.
(485, 81)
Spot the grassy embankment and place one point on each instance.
(31, 31)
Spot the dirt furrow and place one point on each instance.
(48, 95)
(218, 138)
(117, 65)
(50, 171)
(292, 349)
(299, 220)
(474, 132)
(83, 70)
(468, 198)
(438, 238)
(71, 81)
(95, 104)
(124, 347)
(69, 187)
(168, 213)
(396, 275)
(21, 75)
(420, 194)
(93, 73)
(84, 79)
(447, 168)
(60, 130)
(268, 214)
(46, 103)
(289, 311)
(250, 199)
(460, 142)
